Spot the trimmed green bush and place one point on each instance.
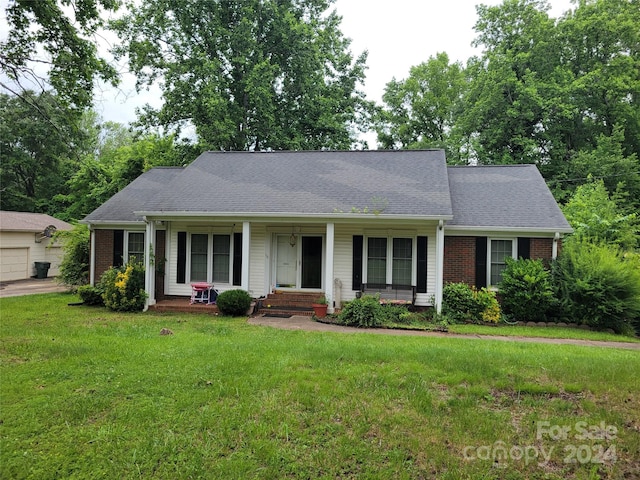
(234, 303)
(124, 288)
(458, 304)
(365, 311)
(462, 303)
(599, 285)
(91, 295)
(526, 290)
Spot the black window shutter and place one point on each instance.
(481, 262)
(118, 248)
(524, 247)
(356, 280)
(237, 258)
(181, 269)
(421, 266)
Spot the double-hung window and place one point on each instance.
(377, 260)
(402, 261)
(390, 260)
(499, 251)
(221, 258)
(199, 256)
(211, 257)
(134, 249)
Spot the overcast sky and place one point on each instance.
(397, 34)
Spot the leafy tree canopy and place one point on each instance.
(597, 218)
(420, 111)
(35, 148)
(248, 74)
(57, 34)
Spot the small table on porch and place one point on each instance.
(201, 292)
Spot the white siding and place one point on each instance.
(19, 251)
(344, 253)
(258, 261)
(260, 257)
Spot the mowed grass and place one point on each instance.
(543, 332)
(86, 393)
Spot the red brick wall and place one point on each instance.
(459, 260)
(104, 251)
(460, 257)
(104, 255)
(541, 248)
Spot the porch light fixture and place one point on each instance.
(293, 240)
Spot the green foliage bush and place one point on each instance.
(599, 285)
(74, 268)
(526, 290)
(365, 311)
(458, 303)
(234, 303)
(124, 288)
(91, 295)
(462, 303)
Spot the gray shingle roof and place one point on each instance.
(134, 196)
(402, 183)
(281, 183)
(504, 196)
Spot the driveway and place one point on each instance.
(30, 287)
(299, 322)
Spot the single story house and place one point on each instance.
(25, 238)
(329, 222)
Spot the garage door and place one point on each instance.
(14, 264)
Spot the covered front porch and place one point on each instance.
(294, 255)
(260, 257)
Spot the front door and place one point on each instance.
(298, 265)
(286, 263)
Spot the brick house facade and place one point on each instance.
(461, 259)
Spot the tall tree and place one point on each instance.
(600, 60)
(420, 111)
(543, 90)
(57, 34)
(36, 146)
(505, 105)
(248, 74)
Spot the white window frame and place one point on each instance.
(125, 247)
(514, 255)
(210, 235)
(389, 273)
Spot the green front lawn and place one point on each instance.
(544, 332)
(86, 393)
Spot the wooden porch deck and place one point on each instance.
(183, 305)
(289, 303)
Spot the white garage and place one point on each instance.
(25, 238)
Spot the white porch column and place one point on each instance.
(439, 266)
(150, 264)
(92, 258)
(328, 268)
(246, 251)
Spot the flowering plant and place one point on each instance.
(124, 288)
